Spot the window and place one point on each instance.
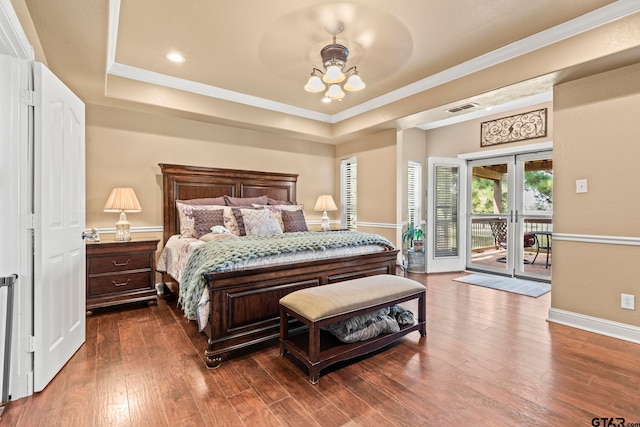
(349, 193)
(414, 193)
(445, 212)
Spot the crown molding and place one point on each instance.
(589, 21)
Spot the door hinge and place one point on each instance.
(29, 98)
(32, 344)
(31, 221)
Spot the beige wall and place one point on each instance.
(464, 138)
(377, 186)
(596, 138)
(123, 148)
(411, 146)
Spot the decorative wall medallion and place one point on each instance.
(514, 128)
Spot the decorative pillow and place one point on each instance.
(230, 222)
(294, 221)
(260, 222)
(211, 201)
(277, 209)
(187, 221)
(237, 214)
(245, 201)
(204, 220)
(271, 201)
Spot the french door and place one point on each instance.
(510, 215)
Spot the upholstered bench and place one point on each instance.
(319, 306)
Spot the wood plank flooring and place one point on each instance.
(489, 359)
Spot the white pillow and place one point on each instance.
(260, 222)
(218, 229)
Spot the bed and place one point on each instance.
(243, 304)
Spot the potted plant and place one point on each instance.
(414, 237)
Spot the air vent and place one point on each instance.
(462, 107)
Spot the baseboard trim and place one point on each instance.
(595, 324)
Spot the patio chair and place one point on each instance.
(499, 231)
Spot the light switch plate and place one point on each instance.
(581, 185)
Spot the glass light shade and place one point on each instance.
(314, 84)
(333, 75)
(335, 92)
(354, 83)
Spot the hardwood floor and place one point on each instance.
(490, 358)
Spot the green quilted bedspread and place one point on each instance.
(221, 255)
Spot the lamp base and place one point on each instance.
(324, 222)
(122, 229)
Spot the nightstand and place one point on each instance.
(120, 272)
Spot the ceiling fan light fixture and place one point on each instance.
(335, 92)
(314, 84)
(334, 74)
(354, 83)
(334, 58)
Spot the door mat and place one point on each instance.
(529, 288)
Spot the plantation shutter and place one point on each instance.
(446, 211)
(413, 192)
(349, 193)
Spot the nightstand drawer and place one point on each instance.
(118, 283)
(114, 263)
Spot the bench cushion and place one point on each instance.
(321, 302)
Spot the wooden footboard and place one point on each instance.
(245, 304)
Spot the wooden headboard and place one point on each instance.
(195, 182)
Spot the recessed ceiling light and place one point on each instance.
(326, 100)
(175, 57)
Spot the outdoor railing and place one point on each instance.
(482, 237)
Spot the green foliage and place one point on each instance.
(541, 183)
(412, 233)
(482, 197)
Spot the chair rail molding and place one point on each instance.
(591, 238)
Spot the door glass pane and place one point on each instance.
(537, 220)
(489, 207)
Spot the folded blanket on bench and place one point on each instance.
(369, 325)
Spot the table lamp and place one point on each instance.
(122, 199)
(325, 203)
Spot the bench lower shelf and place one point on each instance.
(332, 350)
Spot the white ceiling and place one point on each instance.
(259, 53)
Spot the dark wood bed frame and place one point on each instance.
(245, 304)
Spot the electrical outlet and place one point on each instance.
(628, 302)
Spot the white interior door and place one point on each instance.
(446, 213)
(59, 207)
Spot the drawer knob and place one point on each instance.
(120, 284)
(121, 264)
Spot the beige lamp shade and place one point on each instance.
(122, 199)
(325, 203)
